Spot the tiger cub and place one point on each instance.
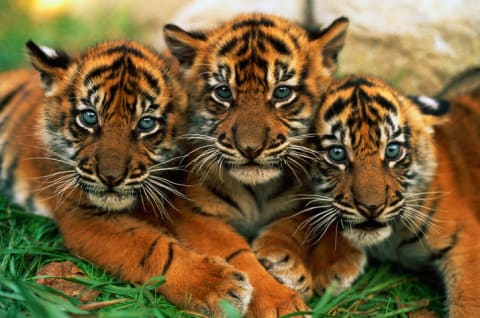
(398, 177)
(90, 141)
(254, 84)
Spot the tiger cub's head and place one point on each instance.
(254, 84)
(110, 118)
(375, 157)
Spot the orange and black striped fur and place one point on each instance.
(254, 84)
(398, 177)
(90, 141)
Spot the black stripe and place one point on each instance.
(294, 40)
(168, 110)
(355, 82)
(96, 72)
(388, 120)
(6, 185)
(282, 68)
(10, 95)
(125, 49)
(236, 253)
(152, 81)
(198, 210)
(335, 109)
(254, 196)
(442, 252)
(225, 197)
(386, 104)
(253, 23)
(6, 118)
(242, 64)
(149, 251)
(242, 49)
(278, 45)
(294, 108)
(228, 46)
(261, 63)
(169, 260)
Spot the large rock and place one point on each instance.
(417, 45)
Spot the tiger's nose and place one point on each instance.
(250, 152)
(370, 211)
(111, 170)
(111, 180)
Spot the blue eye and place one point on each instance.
(337, 154)
(393, 151)
(282, 92)
(146, 124)
(89, 118)
(223, 92)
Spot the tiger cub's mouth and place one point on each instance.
(367, 233)
(112, 200)
(253, 173)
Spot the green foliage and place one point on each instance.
(68, 32)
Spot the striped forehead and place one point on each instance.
(361, 113)
(263, 50)
(120, 80)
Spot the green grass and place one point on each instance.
(27, 242)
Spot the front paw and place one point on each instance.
(218, 282)
(287, 268)
(276, 302)
(340, 273)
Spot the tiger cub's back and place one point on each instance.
(459, 138)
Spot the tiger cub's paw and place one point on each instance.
(287, 268)
(276, 302)
(218, 282)
(341, 273)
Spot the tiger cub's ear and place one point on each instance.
(435, 111)
(330, 41)
(50, 63)
(182, 44)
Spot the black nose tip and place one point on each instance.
(250, 152)
(111, 180)
(371, 210)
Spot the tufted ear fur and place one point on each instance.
(330, 41)
(50, 63)
(182, 44)
(436, 111)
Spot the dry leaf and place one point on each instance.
(68, 270)
(422, 313)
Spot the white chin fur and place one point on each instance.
(254, 175)
(112, 202)
(367, 238)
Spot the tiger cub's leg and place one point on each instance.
(461, 272)
(335, 262)
(306, 263)
(136, 251)
(212, 236)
